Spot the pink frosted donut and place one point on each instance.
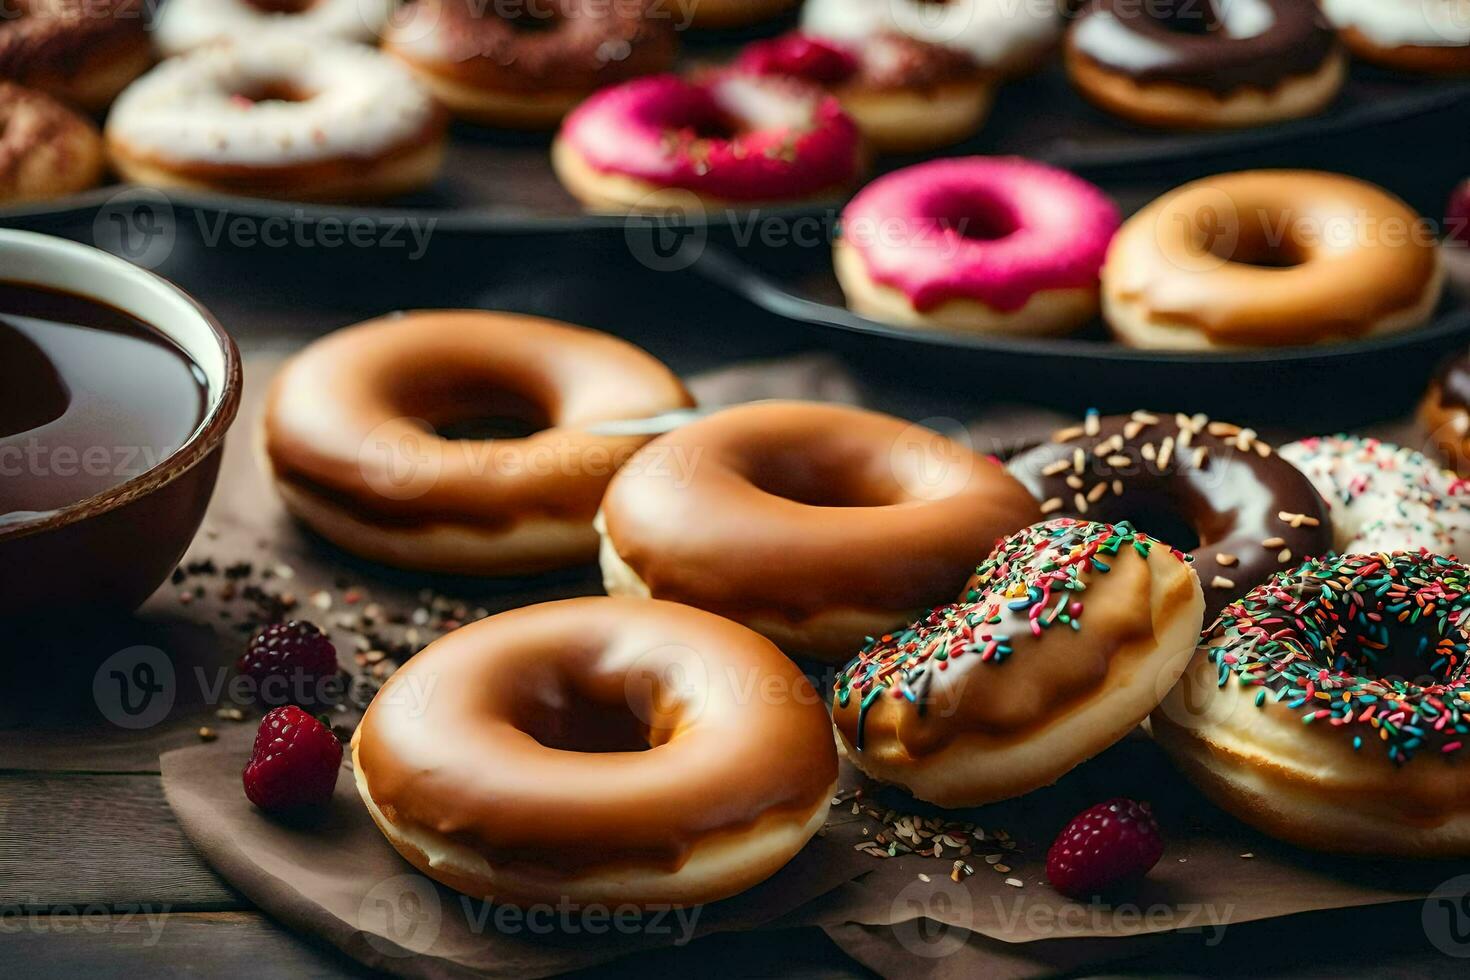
(721, 138)
(991, 244)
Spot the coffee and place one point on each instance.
(90, 397)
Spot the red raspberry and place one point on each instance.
(289, 663)
(294, 763)
(1110, 845)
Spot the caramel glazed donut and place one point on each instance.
(83, 52)
(1196, 64)
(528, 71)
(284, 117)
(358, 435)
(816, 525)
(1296, 715)
(630, 763)
(1066, 638)
(46, 150)
(1214, 488)
(1270, 258)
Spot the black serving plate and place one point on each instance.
(502, 182)
(1332, 385)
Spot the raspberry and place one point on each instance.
(289, 662)
(1103, 848)
(294, 763)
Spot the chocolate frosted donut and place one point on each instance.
(1205, 62)
(528, 70)
(81, 51)
(1210, 488)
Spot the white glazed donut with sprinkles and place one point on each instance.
(1384, 497)
(280, 117)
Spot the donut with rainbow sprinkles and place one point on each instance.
(1330, 707)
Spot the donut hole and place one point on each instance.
(977, 216)
(1166, 524)
(466, 409)
(273, 90)
(282, 6)
(571, 720)
(1192, 17)
(1399, 653)
(798, 477)
(1262, 247)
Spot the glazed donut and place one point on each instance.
(184, 25)
(46, 150)
(283, 117)
(1003, 36)
(905, 95)
(597, 751)
(1056, 651)
(1445, 414)
(359, 435)
(528, 70)
(82, 52)
(989, 244)
(817, 525)
(712, 142)
(1410, 35)
(1212, 488)
(1296, 715)
(1383, 497)
(1269, 258)
(721, 14)
(1197, 64)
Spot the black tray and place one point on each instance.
(501, 182)
(1334, 385)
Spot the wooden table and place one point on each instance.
(97, 880)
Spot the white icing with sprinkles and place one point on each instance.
(1385, 497)
(359, 103)
(183, 25)
(1397, 23)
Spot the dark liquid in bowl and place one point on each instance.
(90, 397)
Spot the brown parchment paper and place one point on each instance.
(339, 879)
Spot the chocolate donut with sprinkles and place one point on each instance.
(1330, 707)
(1065, 639)
(1210, 488)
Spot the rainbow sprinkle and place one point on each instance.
(1327, 638)
(1033, 582)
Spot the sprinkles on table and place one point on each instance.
(1317, 640)
(1032, 582)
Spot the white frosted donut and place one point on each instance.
(1384, 497)
(186, 24)
(307, 118)
(1399, 23)
(1002, 35)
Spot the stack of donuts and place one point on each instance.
(1295, 626)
